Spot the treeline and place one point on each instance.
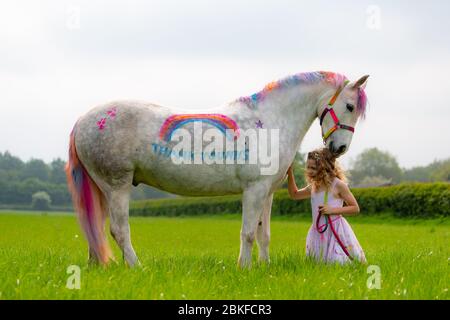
(424, 200)
(20, 180)
(374, 167)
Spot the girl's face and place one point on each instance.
(311, 164)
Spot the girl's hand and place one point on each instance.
(289, 171)
(324, 209)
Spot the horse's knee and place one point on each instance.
(116, 233)
(248, 236)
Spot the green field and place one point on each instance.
(195, 258)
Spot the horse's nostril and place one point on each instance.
(341, 149)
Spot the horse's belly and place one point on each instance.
(190, 179)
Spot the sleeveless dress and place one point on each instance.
(324, 246)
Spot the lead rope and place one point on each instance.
(321, 229)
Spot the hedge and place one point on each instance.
(406, 199)
(28, 207)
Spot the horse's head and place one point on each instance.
(339, 116)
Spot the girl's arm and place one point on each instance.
(351, 208)
(294, 192)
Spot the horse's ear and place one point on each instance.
(361, 83)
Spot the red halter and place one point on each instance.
(337, 124)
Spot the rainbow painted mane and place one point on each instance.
(335, 79)
(219, 121)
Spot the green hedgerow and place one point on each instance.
(406, 199)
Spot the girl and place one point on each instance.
(330, 238)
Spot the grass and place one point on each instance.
(195, 258)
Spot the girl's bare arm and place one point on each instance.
(351, 208)
(294, 192)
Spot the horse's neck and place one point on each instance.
(296, 109)
(292, 110)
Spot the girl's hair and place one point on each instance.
(324, 169)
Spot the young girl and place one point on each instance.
(330, 238)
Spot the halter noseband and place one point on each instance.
(337, 124)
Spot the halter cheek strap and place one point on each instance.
(329, 109)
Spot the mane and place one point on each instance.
(362, 103)
(334, 79)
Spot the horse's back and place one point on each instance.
(119, 141)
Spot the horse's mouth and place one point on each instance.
(337, 151)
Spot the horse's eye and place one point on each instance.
(350, 107)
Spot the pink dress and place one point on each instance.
(324, 246)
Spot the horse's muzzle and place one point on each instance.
(337, 150)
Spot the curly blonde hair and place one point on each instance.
(321, 168)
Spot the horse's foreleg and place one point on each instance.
(119, 225)
(252, 207)
(263, 231)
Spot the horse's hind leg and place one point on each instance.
(263, 231)
(118, 201)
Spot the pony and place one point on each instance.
(121, 144)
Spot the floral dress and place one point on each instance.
(325, 246)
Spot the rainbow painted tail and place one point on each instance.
(89, 203)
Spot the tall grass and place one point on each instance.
(195, 258)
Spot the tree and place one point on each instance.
(57, 174)
(435, 171)
(41, 201)
(19, 180)
(441, 172)
(375, 163)
(374, 182)
(9, 162)
(421, 174)
(36, 168)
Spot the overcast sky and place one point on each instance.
(60, 58)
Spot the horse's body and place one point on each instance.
(124, 143)
(131, 136)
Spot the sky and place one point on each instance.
(58, 59)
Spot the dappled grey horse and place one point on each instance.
(216, 152)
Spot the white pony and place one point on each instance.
(124, 143)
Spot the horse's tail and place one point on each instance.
(89, 203)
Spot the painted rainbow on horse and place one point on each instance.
(220, 121)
